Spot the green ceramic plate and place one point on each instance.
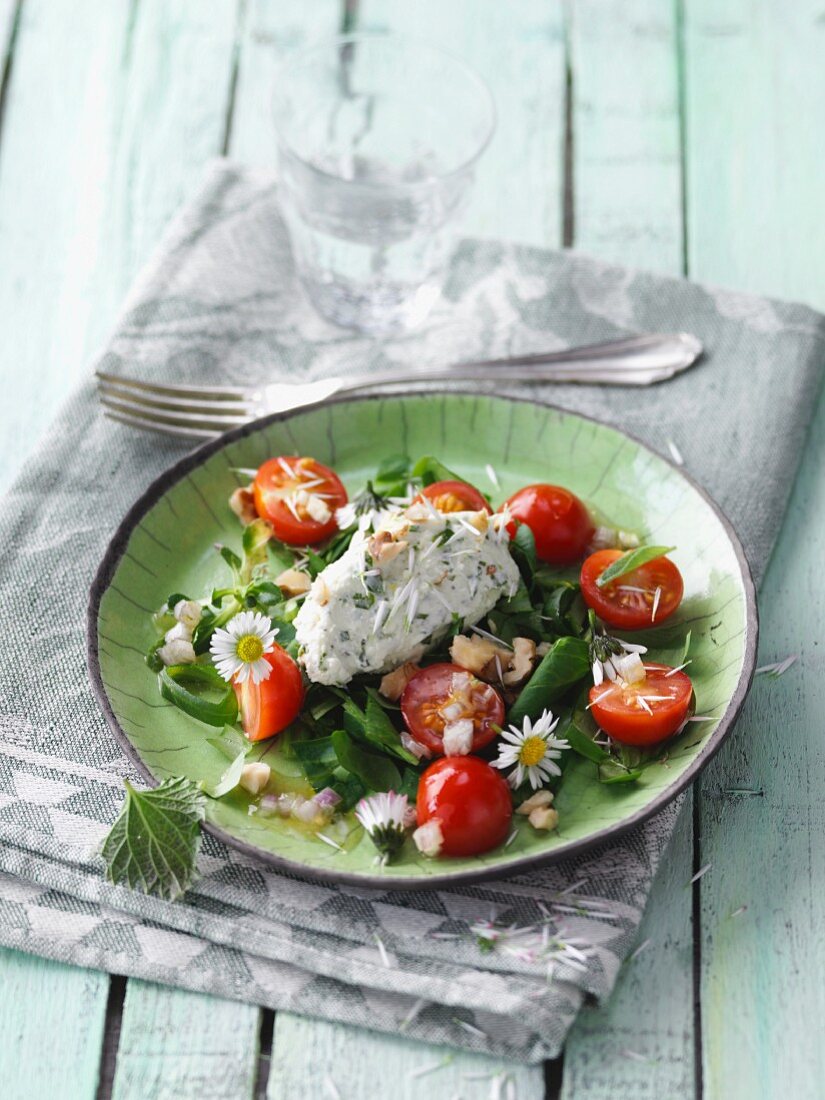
(165, 544)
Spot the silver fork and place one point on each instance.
(203, 412)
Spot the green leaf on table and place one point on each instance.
(630, 560)
(154, 842)
(564, 665)
(377, 773)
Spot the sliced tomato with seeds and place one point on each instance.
(646, 712)
(298, 496)
(643, 597)
(445, 693)
(455, 496)
(269, 707)
(560, 522)
(471, 802)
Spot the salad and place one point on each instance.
(420, 662)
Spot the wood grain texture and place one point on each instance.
(626, 132)
(519, 49)
(56, 137)
(627, 207)
(754, 98)
(270, 30)
(51, 1028)
(335, 1062)
(755, 93)
(175, 1045)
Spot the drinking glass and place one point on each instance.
(378, 139)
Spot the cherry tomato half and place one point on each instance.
(444, 693)
(455, 496)
(298, 496)
(471, 802)
(630, 602)
(269, 707)
(560, 523)
(644, 713)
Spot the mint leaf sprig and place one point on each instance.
(631, 560)
(154, 843)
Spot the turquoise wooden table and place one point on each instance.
(679, 135)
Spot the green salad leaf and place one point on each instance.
(630, 560)
(228, 781)
(377, 773)
(154, 842)
(564, 665)
(213, 700)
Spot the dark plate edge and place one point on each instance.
(178, 470)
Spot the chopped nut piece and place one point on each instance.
(542, 649)
(320, 591)
(476, 654)
(383, 548)
(177, 652)
(535, 801)
(392, 685)
(458, 737)
(242, 503)
(521, 661)
(255, 777)
(428, 838)
(178, 633)
(415, 747)
(629, 668)
(317, 508)
(544, 817)
(188, 612)
(293, 582)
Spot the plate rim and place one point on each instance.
(178, 470)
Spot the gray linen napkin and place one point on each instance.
(219, 302)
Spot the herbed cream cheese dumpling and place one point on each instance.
(399, 588)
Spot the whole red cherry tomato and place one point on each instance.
(471, 802)
(560, 523)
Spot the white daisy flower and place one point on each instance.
(386, 816)
(238, 650)
(531, 751)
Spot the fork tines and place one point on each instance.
(175, 410)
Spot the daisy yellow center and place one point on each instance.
(250, 648)
(532, 751)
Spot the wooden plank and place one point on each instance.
(51, 1016)
(519, 49)
(754, 95)
(51, 1028)
(755, 92)
(177, 1044)
(271, 29)
(627, 207)
(66, 63)
(338, 1062)
(626, 133)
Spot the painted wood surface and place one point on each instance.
(127, 101)
(176, 1044)
(51, 1028)
(628, 208)
(754, 97)
(519, 49)
(334, 1062)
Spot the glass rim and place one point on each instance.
(403, 40)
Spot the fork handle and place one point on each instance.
(630, 361)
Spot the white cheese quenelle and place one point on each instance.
(398, 590)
